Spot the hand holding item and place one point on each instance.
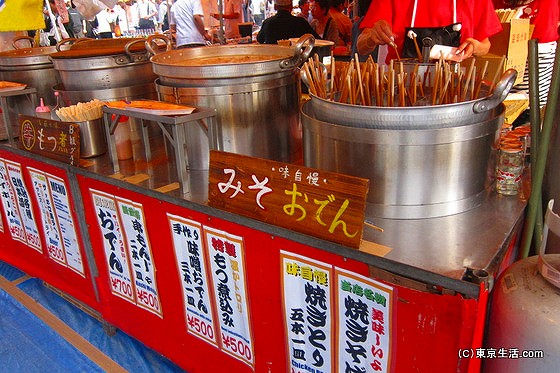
(381, 33)
(472, 47)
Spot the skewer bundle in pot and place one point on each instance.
(82, 111)
(399, 84)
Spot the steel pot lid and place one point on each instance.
(227, 61)
(91, 48)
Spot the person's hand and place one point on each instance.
(467, 48)
(382, 33)
(472, 47)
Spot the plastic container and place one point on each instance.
(122, 139)
(43, 111)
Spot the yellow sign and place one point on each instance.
(21, 15)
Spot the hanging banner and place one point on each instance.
(53, 239)
(128, 252)
(140, 255)
(113, 243)
(21, 15)
(226, 254)
(193, 272)
(22, 205)
(61, 202)
(308, 312)
(13, 218)
(364, 323)
(58, 226)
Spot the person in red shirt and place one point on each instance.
(473, 22)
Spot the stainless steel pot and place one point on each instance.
(31, 66)
(413, 173)
(257, 103)
(414, 117)
(182, 66)
(94, 68)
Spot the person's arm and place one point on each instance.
(199, 23)
(472, 47)
(153, 11)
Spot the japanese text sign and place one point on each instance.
(319, 203)
(335, 320)
(127, 250)
(17, 205)
(51, 138)
(51, 193)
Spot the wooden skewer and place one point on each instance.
(418, 53)
(498, 71)
(479, 85)
(396, 50)
(367, 223)
(467, 80)
(360, 83)
(333, 73)
(309, 79)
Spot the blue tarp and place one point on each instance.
(28, 345)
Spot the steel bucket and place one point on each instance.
(413, 173)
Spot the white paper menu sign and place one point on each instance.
(308, 312)
(58, 224)
(226, 255)
(113, 243)
(55, 250)
(65, 222)
(13, 219)
(22, 219)
(140, 255)
(193, 272)
(364, 323)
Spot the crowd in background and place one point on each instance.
(195, 22)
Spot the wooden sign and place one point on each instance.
(318, 203)
(51, 138)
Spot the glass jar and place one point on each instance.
(509, 169)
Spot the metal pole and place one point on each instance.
(535, 119)
(221, 34)
(538, 173)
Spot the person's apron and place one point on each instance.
(427, 37)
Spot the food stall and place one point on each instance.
(156, 254)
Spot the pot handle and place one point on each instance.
(301, 54)
(499, 94)
(151, 39)
(28, 38)
(65, 41)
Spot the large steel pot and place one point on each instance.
(257, 102)
(415, 117)
(31, 66)
(86, 67)
(413, 173)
